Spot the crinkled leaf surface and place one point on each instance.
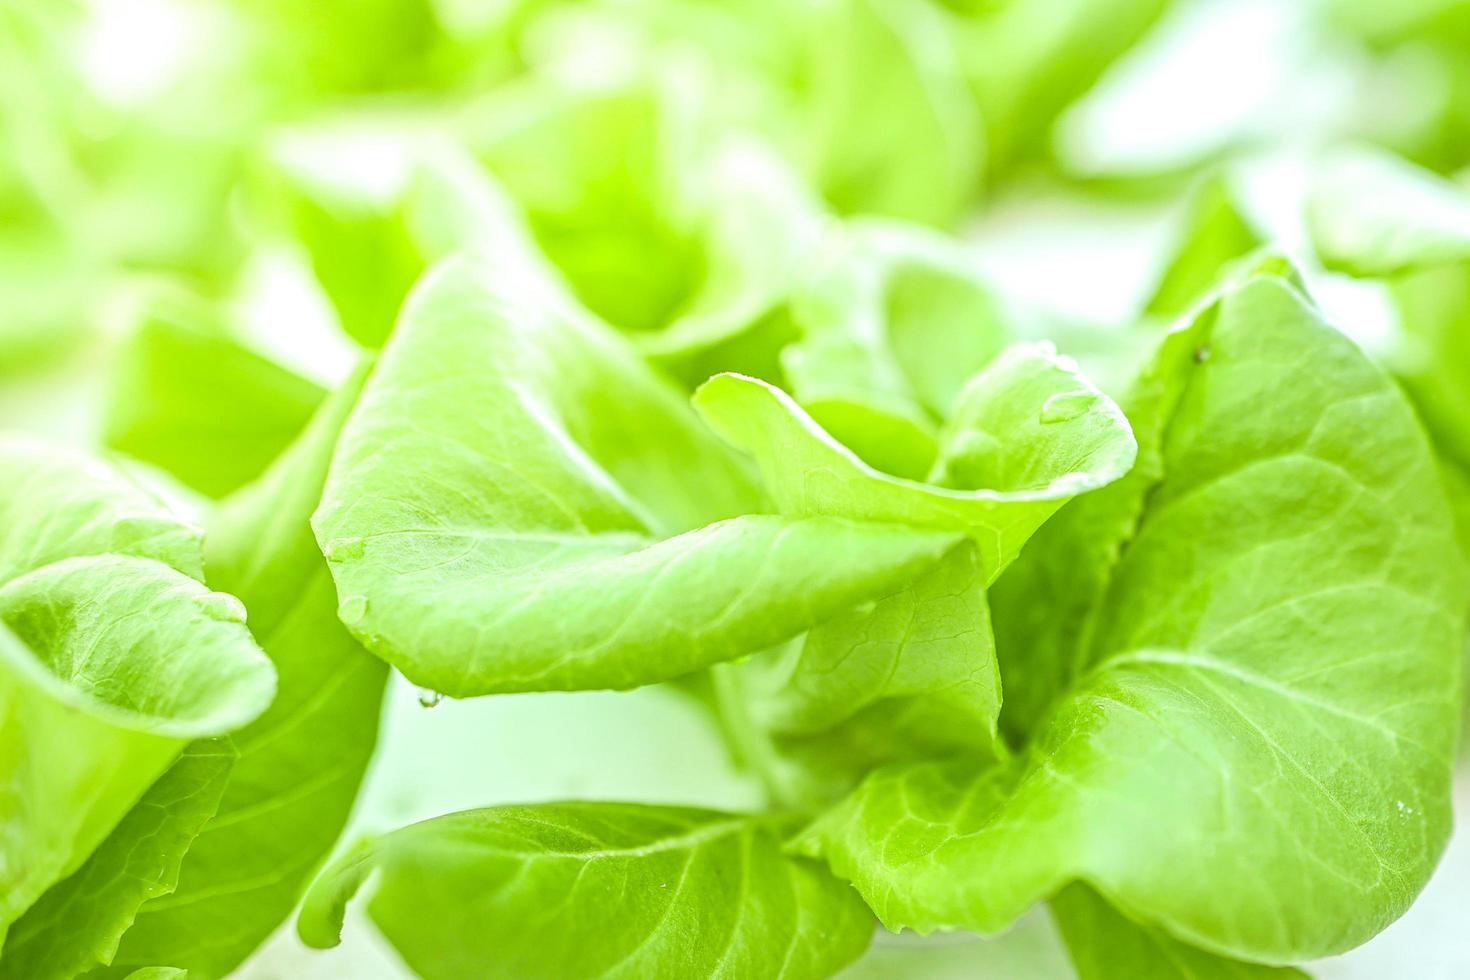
(1025, 435)
(495, 521)
(122, 658)
(913, 674)
(595, 890)
(1265, 690)
(77, 924)
(301, 762)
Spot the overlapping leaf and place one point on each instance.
(496, 518)
(1261, 666)
(300, 763)
(122, 659)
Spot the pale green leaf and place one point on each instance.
(190, 397)
(113, 660)
(1264, 691)
(594, 890)
(495, 520)
(893, 324)
(1378, 216)
(911, 675)
(1371, 214)
(1215, 232)
(1026, 434)
(1027, 62)
(300, 763)
(891, 126)
(77, 924)
(1104, 944)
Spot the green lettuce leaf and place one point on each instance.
(1371, 214)
(77, 924)
(1262, 681)
(913, 673)
(1027, 62)
(892, 325)
(1026, 434)
(495, 522)
(888, 114)
(622, 889)
(301, 762)
(1216, 232)
(1104, 944)
(193, 399)
(339, 186)
(122, 658)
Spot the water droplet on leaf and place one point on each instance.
(222, 606)
(1201, 353)
(429, 698)
(344, 549)
(353, 609)
(1065, 406)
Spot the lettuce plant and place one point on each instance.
(669, 373)
(989, 638)
(1236, 660)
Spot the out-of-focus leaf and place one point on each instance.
(1104, 944)
(192, 398)
(1373, 215)
(1027, 60)
(1215, 233)
(891, 126)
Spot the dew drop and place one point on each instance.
(429, 699)
(222, 606)
(344, 549)
(1201, 353)
(1065, 406)
(353, 609)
